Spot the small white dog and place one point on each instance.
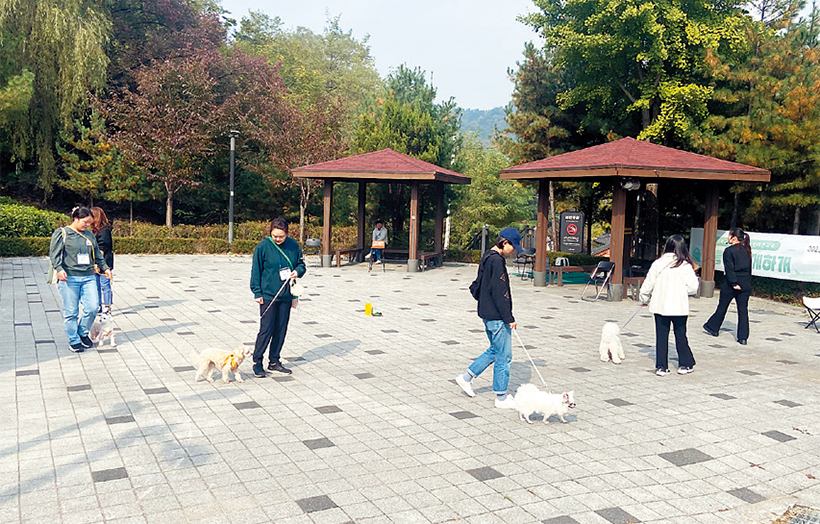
(102, 328)
(529, 400)
(611, 348)
(212, 359)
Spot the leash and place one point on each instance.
(633, 316)
(531, 360)
(285, 283)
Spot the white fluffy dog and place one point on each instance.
(212, 359)
(611, 348)
(102, 328)
(529, 400)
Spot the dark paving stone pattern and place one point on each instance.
(616, 516)
(105, 475)
(314, 504)
(318, 443)
(485, 473)
(778, 436)
(746, 495)
(461, 415)
(685, 457)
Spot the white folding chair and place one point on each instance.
(813, 309)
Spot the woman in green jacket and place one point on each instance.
(276, 260)
(74, 253)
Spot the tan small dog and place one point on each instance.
(212, 359)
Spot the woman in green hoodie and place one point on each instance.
(276, 260)
(74, 253)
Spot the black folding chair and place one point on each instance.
(525, 259)
(600, 276)
(813, 308)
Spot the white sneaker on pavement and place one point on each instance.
(507, 403)
(466, 386)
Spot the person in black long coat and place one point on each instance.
(737, 286)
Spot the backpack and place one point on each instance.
(475, 287)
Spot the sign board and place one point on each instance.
(785, 257)
(571, 235)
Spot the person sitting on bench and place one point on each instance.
(379, 235)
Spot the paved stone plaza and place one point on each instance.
(372, 428)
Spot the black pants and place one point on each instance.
(685, 357)
(273, 327)
(741, 298)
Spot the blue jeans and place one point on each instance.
(106, 297)
(499, 354)
(76, 291)
(377, 252)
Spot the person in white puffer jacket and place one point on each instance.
(667, 287)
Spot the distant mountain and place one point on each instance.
(482, 121)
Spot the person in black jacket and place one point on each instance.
(737, 268)
(495, 309)
(102, 231)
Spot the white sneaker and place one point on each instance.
(466, 386)
(378, 262)
(661, 372)
(507, 403)
(684, 370)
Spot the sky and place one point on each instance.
(466, 45)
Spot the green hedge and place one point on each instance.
(19, 220)
(38, 246)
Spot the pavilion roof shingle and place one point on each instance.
(385, 164)
(630, 157)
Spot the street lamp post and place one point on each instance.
(233, 135)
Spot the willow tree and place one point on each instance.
(63, 45)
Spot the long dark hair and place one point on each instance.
(743, 238)
(677, 245)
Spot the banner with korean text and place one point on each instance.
(786, 257)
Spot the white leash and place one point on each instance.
(285, 283)
(633, 316)
(530, 357)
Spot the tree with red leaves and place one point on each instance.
(167, 123)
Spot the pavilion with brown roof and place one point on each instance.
(385, 165)
(633, 160)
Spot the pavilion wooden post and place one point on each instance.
(439, 240)
(413, 258)
(616, 249)
(540, 269)
(707, 272)
(327, 257)
(362, 229)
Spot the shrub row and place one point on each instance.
(18, 220)
(38, 246)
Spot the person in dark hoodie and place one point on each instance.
(276, 260)
(492, 290)
(737, 285)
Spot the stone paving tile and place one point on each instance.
(402, 442)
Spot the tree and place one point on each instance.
(63, 44)
(314, 66)
(278, 129)
(637, 57)
(404, 118)
(167, 123)
(487, 200)
(768, 115)
(91, 159)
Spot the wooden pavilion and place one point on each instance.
(383, 166)
(629, 162)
